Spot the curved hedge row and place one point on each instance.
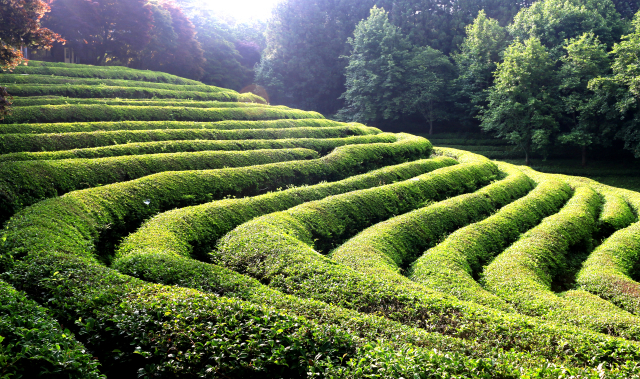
(279, 250)
(453, 265)
(42, 80)
(321, 145)
(181, 231)
(10, 143)
(32, 343)
(18, 101)
(104, 72)
(75, 127)
(607, 272)
(129, 93)
(101, 112)
(302, 314)
(25, 183)
(385, 249)
(526, 273)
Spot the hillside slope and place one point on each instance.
(154, 226)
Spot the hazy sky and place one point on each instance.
(243, 10)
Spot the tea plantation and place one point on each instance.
(153, 226)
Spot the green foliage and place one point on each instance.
(479, 55)
(375, 74)
(541, 261)
(32, 343)
(387, 76)
(10, 143)
(321, 145)
(88, 91)
(103, 112)
(103, 72)
(385, 249)
(554, 21)
(453, 264)
(65, 127)
(586, 60)
(46, 79)
(522, 103)
(24, 183)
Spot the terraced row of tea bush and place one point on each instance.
(189, 238)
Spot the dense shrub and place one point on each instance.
(60, 100)
(10, 143)
(129, 93)
(101, 112)
(527, 272)
(105, 72)
(33, 344)
(321, 145)
(453, 264)
(74, 127)
(8, 79)
(24, 183)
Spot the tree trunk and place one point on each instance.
(526, 158)
(430, 127)
(584, 156)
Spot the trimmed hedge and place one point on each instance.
(280, 251)
(542, 259)
(136, 328)
(25, 183)
(180, 231)
(453, 265)
(118, 313)
(321, 145)
(33, 344)
(56, 100)
(385, 249)
(75, 127)
(105, 72)
(607, 272)
(11, 143)
(86, 91)
(101, 112)
(8, 79)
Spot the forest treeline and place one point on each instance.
(539, 74)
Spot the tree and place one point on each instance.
(376, 71)
(173, 47)
(222, 67)
(623, 87)
(554, 21)
(585, 124)
(522, 106)
(20, 27)
(428, 77)
(109, 29)
(387, 76)
(478, 58)
(301, 66)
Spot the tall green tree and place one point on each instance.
(584, 124)
(301, 66)
(623, 87)
(479, 55)
(173, 47)
(554, 21)
(376, 81)
(523, 104)
(388, 77)
(428, 78)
